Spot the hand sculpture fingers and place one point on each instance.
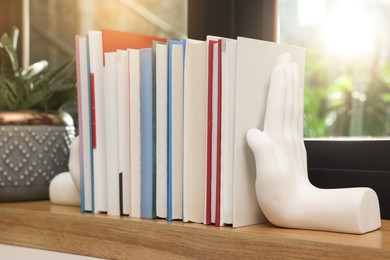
(274, 120)
(299, 99)
(297, 124)
(275, 116)
(282, 118)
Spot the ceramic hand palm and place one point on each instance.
(283, 190)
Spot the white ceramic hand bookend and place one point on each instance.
(283, 189)
(65, 187)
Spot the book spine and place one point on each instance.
(209, 132)
(148, 185)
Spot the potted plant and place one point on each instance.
(35, 131)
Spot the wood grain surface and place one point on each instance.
(62, 228)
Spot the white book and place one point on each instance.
(229, 60)
(194, 130)
(135, 133)
(124, 127)
(95, 47)
(112, 141)
(214, 155)
(175, 130)
(86, 159)
(255, 61)
(161, 129)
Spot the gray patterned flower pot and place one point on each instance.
(33, 149)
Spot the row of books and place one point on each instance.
(163, 124)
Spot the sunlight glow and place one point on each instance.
(311, 12)
(349, 32)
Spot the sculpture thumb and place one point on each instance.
(255, 139)
(262, 148)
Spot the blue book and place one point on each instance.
(85, 124)
(148, 171)
(175, 129)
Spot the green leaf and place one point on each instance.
(386, 97)
(56, 73)
(9, 57)
(35, 69)
(341, 84)
(15, 36)
(35, 98)
(62, 97)
(34, 87)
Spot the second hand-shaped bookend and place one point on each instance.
(283, 189)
